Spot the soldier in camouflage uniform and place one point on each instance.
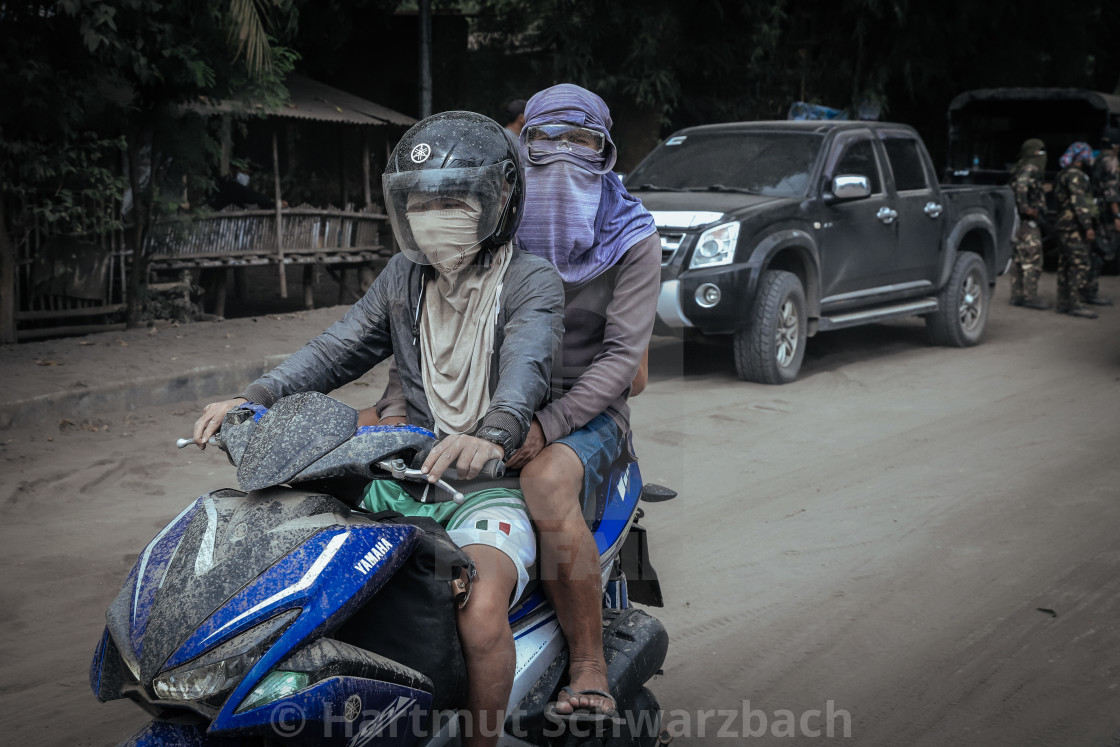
(1074, 228)
(1106, 188)
(1026, 247)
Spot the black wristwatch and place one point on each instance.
(499, 436)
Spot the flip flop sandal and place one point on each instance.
(584, 717)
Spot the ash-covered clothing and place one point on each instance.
(1075, 218)
(1106, 186)
(496, 517)
(577, 213)
(1074, 262)
(1026, 245)
(528, 329)
(608, 322)
(578, 220)
(1075, 201)
(1026, 261)
(1026, 183)
(1106, 179)
(457, 342)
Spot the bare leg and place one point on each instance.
(569, 565)
(488, 644)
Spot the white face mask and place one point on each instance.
(449, 238)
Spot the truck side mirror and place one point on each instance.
(849, 187)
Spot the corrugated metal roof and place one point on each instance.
(310, 99)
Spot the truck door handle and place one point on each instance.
(886, 215)
(932, 209)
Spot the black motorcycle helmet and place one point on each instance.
(452, 154)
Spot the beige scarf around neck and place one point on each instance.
(457, 333)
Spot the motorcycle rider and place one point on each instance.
(454, 191)
(604, 243)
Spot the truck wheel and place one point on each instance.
(770, 348)
(962, 305)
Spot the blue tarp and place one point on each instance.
(803, 110)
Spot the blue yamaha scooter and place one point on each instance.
(281, 613)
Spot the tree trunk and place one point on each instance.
(138, 270)
(425, 13)
(7, 282)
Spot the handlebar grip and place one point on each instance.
(493, 469)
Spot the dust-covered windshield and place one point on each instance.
(775, 164)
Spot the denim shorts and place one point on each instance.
(597, 444)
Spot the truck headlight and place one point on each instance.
(716, 246)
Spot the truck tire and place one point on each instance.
(962, 311)
(770, 347)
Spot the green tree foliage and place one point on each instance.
(583, 43)
(720, 60)
(248, 27)
(87, 79)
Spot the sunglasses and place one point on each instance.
(570, 134)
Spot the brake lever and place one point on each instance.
(400, 471)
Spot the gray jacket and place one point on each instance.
(385, 321)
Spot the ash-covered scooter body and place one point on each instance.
(237, 622)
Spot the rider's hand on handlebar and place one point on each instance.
(467, 454)
(211, 420)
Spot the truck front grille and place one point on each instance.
(670, 243)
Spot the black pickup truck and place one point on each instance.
(774, 231)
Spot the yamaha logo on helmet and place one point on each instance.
(421, 153)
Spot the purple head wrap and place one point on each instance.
(577, 214)
(1075, 153)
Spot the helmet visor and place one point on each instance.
(486, 188)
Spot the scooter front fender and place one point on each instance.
(165, 734)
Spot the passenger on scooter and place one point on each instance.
(454, 191)
(579, 216)
(604, 243)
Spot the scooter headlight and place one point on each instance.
(219, 670)
(203, 682)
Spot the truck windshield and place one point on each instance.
(775, 164)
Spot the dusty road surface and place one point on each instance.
(909, 545)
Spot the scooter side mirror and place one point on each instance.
(653, 493)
